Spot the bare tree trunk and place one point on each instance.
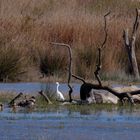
(130, 43)
(69, 67)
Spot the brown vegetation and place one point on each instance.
(30, 26)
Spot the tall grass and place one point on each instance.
(31, 25)
(11, 64)
(52, 61)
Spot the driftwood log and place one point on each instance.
(130, 43)
(86, 88)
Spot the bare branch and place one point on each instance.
(15, 98)
(136, 23)
(60, 44)
(105, 30)
(99, 65)
(45, 97)
(69, 67)
(86, 88)
(79, 78)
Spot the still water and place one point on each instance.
(64, 123)
(35, 87)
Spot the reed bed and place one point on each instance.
(29, 26)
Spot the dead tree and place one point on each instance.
(69, 67)
(86, 88)
(130, 43)
(99, 65)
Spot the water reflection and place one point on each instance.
(102, 114)
(75, 120)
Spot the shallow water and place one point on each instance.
(84, 123)
(33, 88)
(63, 123)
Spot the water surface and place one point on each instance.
(63, 123)
(35, 87)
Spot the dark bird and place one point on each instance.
(27, 102)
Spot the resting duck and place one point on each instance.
(27, 102)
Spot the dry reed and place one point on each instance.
(30, 26)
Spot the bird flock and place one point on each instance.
(30, 102)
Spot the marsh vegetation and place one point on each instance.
(27, 28)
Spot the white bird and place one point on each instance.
(59, 94)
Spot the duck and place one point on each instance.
(27, 102)
(59, 95)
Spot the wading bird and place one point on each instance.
(60, 96)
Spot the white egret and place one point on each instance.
(59, 94)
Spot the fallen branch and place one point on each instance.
(45, 97)
(15, 98)
(79, 78)
(86, 88)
